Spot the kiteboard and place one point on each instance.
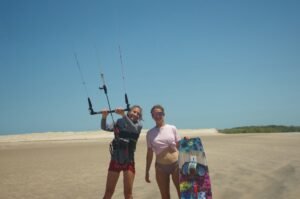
(193, 170)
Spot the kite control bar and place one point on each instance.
(104, 88)
(92, 112)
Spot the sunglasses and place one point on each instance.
(158, 114)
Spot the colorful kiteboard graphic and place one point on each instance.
(194, 176)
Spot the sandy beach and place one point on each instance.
(74, 165)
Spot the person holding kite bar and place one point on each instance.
(127, 130)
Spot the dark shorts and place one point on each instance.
(117, 167)
(167, 168)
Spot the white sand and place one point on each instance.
(74, 165)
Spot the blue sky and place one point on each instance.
(211, 64)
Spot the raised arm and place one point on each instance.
(104, 126)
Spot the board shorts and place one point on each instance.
(117, 167)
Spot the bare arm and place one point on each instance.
(103, 121)
(149, 158)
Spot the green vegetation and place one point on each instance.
(261, 129)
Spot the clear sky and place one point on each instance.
(211, 64)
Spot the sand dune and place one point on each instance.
(84, 135)
(70, 165)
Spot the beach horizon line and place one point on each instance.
(86, 135)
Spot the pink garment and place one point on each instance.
(161, 138)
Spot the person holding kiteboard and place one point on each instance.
(127, 130)
(163, 141)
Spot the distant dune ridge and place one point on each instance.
(262, 129)
(86, 135)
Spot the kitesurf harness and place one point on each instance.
(122, 148)
(124, 143)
